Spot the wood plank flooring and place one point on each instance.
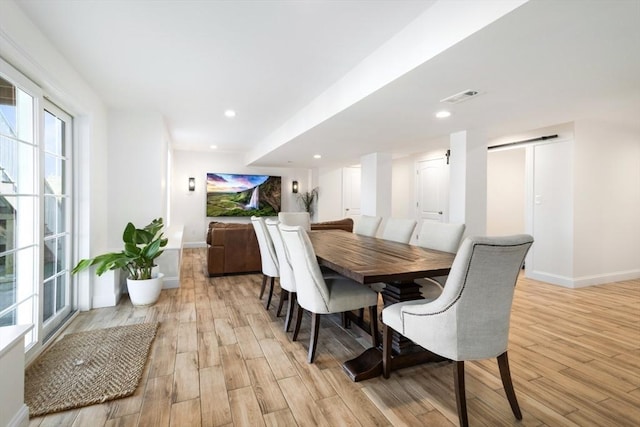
(220, 359)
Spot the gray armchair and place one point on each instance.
(470, 319)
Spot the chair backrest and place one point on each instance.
(367, 225)
(475, 306)
(399, 230)
(312, 291)
(440, 236)
(267, 251)
(295, 218)
(287, 280)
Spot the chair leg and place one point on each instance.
(298, 321)
(313, 340)
(284, 295)
(290, 308)
(264, 284)
(386, 350)
(373, 320)
(505, 374)
(273, 279)
(461, 397)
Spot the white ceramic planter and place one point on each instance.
(145, 292)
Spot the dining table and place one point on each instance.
(370, 260)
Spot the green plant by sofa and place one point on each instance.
(306, 200)
(141, 248)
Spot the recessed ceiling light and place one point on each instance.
(443, 114)
(317, 156)
(213, 147)
(230, 113)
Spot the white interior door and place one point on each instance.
(432, 190)
(351, 192)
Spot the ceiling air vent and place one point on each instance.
(459, 97)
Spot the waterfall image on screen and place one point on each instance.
(243, 195)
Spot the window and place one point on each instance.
(35, 206)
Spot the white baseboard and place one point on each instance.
(170, 283)
(584, 281)
(600, 279)
(194, 245)
(21, 418)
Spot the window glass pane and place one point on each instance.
(50, 258)
(24, 104)
(7, 224)
(8, 319)
(8, 109)
(8, 165)
(53, 175)
(61, 253)
(52, 134)
(52, 207)
(22, 211)
(7, 281)
(61, 296)
(48, 299)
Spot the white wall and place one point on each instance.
(506, 192)
(607, 203)
(138, 149)
(188, 208)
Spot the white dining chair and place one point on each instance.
(367, 225)
(323, 296)
(439, 236)
(470, 319)
(399, 229)
(287, 279)
(296, 218)
(268, 256)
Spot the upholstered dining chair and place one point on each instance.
(287, 280)
(268, 256)
(296, 218)
(318, 295)
(399, 229)
(470, 319)
(367, 225)
(440, 236)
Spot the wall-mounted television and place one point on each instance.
(231, 194)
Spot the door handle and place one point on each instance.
(440, 213)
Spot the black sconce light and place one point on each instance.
(192, 184)
(294, 187)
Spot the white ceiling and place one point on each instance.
(545, 63)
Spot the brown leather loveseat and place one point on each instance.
(233, 247)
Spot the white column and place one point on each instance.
(376, 184)
(468, 181)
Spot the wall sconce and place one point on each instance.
(294, 187)
(192, 184)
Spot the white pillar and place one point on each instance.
(468, 181)
(376, 184)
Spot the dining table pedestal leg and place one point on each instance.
(405, 352)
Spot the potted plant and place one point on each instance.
(141, 248)
(306, 200)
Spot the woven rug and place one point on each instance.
(87, 368)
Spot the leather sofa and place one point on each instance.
(233, 247)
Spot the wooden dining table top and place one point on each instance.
(369, 260)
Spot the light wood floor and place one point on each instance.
(220, 359)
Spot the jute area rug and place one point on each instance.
(87, 368)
